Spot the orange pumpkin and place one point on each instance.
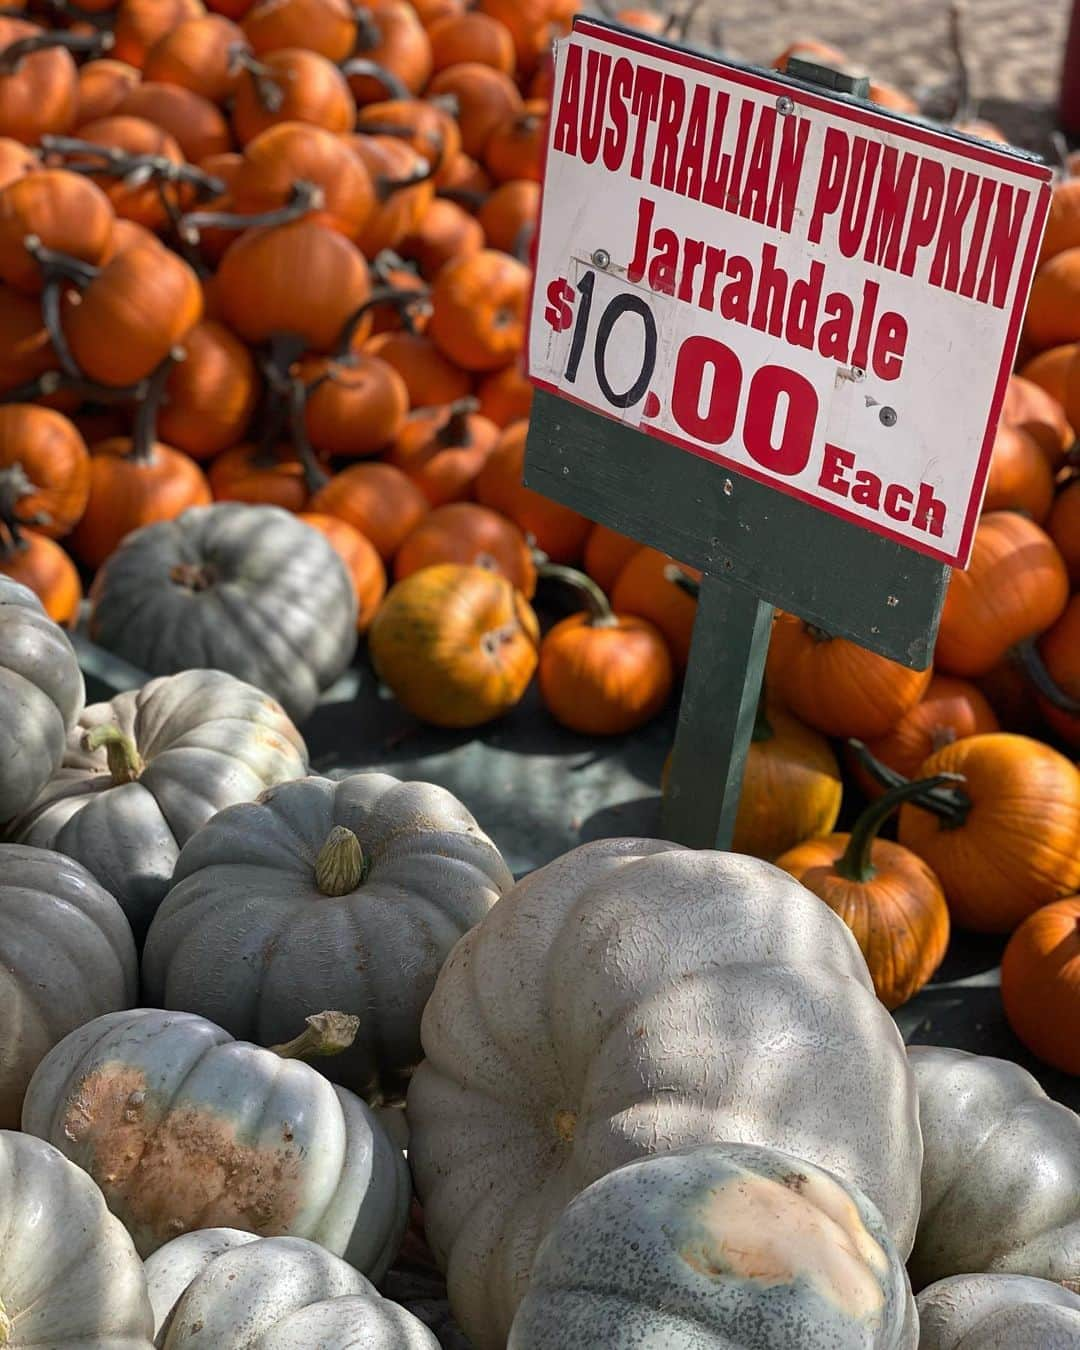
(472, 36)
(444, 449)
(102, 84)
(606, 554)
(602, 673)
(1030, 408)
(403, 187)
(528, 22)
(1050, 370)
(463, 532)
(430, 377)
(196, 125)
(291, 152)
(892, 902)
(324, 26)
(446, 232)
(391, 36)
(376, 499)
(1008, 841)
(1053, 313)
(648, 586)
(211, 394)
(361, 561)
(16, 159)
(949, 710)
(197, 55)
(463, 177)
(41, 95)
(515, 149)
(508, 217)
(1063, 526)
(302, 279)
(505, 396)
(136, 200)
(65, 211)
(44, 469)
(1020, 476)
(1059, 694)
(486, 100)
(558, 531)
(428, 128)
(133, 483)
(269, 476)
(38, 562)
(1062, 220)
(139, 24)
(456, 645)
(143, 302)
(836, 686)
(26, 352)
(1015, 586)
(292, 85)
(479, 310)
(355, 406)
(431, 11)
(1040, 984)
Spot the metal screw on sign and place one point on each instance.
(709, 371)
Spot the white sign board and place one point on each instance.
(798, 287)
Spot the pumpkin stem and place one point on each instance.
(686, 583)
(856, 863)
(596, 602)
(950, 805)
(61, 265)
(469, 198)
(341, 865)
(125, 762)
(92, 158)
(400, 298)
(268, 88)
(326, 1033)
(6, 1327)
(455, 430)
(818, 634)
(1029, 659)
(50, 313)
(13, 55)
(315, 476)
(144, 428)
(368, 32)
(385, 186)
(15, 484)
(304, 197)
(361, 66)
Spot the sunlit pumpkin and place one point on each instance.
(391, 36)
(375, 499)
(446, 232)
(1052, 307)
(66, 212)
(456, 645)
(404, 190)
(355, 406)
(887, 896)
(558, 531)
(1015, 586)
(361, 560)
(515, 148)
(653, 586)
(36, 561)
(324, 26)
(40, 96)
(472, 36)
(486, 99)
(1030, 408)
(44, 469)
(1040, 984)
(463, 532)
(443, 450)
(102, 84)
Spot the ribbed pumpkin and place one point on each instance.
(558, 531)
(430, 377)
(210, 395)
(361, 560)
(1063, 527)
(478, 310)
(1040, 983)
(44, 469)
(836, 686)
(505, 396)
(444, 450)
(197, 55)
(261, 475)
(885, 894)
(40, 96)
(376, 499)
(102, 84)
(42, 565)
(134, 197)
(324, 26)
(355, 406)
(1014, 588)
(196, 125)
(456, 645)
(307, 88)
(486, 98)
(1029, 408)
(391, 36)
(465, 533)
(66, 212)
(998, 1312)
(1059, 655)
(1020, 475)
(141, 23)
(649, 586)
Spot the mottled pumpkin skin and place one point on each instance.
(713, 1247)
(70, 1278)
(250, 590)
(67, 956)
(1017, 1208)
(614, 1004)
(41, 695)
(998, 1312)
(206, 740)
(246, 937)
(222, 1289)
(183, 1128)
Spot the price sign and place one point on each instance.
(822, 297)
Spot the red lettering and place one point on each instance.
(929, 511)
(789, 163)
(692, 166)
(857, 197)
(959, 197)
(830, 185)
(618, 133)
(925, 212)
(889, 346)
(771, 294)
(568, 116)
(898, 502)
(833, 469)
(860, 353)
(666, 153)
(792, 452)
(644, 105)
(890, 208)
(718, 422)
(978, 233)
(1002, 246)
(755, 194)
(714, 189)
(597, 74)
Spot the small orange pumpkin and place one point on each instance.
(472, 36)
(138, 201)
(404, 191)
(196, 125)
(309, 88)
(1040, 984)
(40, 563)
(508, 217)
(505, 396)
(892, 902)
(456, 645)
(41, 95)
(1020, 476)
(139, 24)
(26, 353)
(1050, 370)
(479, 310)
(266, 475)
(376, 499)
(16, 159)
(486, 100)
(66, 212)
(102, 84)
(197, 55)
(361, 561)
(529, 23)
(430, 377)
(443, 450)
(44, 469)
(324, 26)
(390, 35)
(515, 149)
(1063, 526)
(211, 394)
(355, 406)
(1054, 303)
(649, 586)
(1059, 652)
(446, 232)
(1032, 409)
(463, 532)
(606, 554)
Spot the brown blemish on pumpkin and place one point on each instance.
(185, 1169)
(777, 1233)
(566, 1125)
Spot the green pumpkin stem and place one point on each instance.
(326, 1033)
(856, 863)
(340, 866)
(125, 762)
(950, 804)
(1029, 659)
(595, 601)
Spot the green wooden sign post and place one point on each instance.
(596, 446)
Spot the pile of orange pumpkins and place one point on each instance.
(276, 251)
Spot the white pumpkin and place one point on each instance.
(998, 1312)
(221, 1289)
(70, 1278)
(629, 998)
(41, 695)
(184, 1128)
(1001, 1171)
(145, 770)
(66, 956)
(713, 1247)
